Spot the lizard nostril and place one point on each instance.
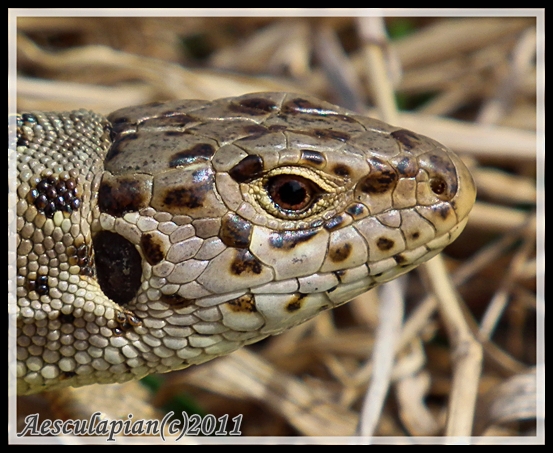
(438, 186)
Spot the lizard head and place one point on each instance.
(227, 221)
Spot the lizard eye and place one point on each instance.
(292, 192)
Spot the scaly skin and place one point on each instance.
(169, 234)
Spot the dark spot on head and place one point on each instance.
(192, 195)
(400, 259)
(340, 253)
(247, 169)
(407, 138)
(203, 151)
(182, 197)
(287, 240)
(407, 167)
(187, 191)
(118, 195)
(313, 157)
(244, 304)
(331, 134)
(415, 235)
(277, 127)
(244, 264)
(334, 222)
(296, 302)
(341, 170)
(235, 231)
(175, 133)
(255, 131)
(119, 144)
(443, 210)
(171, 121)
(384, 243)
(118, 266)
(152, 248)
(381, 179)
(253, 106)
(299, 105)
(356, 210)
(176, 301)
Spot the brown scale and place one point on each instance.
(126, 320)
(53, 194)
(245, 303)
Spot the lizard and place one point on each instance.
(168, 234)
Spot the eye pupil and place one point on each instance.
(290, 192)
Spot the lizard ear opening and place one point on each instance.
(118, 266)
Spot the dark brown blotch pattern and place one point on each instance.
(245, 264)
(341, 170)
(444, 210)
(407, 167)
(300, 105)
(52, 194)
(381, 179)
(248, 169)
(243, 304)
(200, 151)
(40, 285)
(356, 210)
(408, 139)
(340, 253)
(191, 196)
(253, 106)
(335, 222)
(331, 134)
(118, 195)
(296, 303)
(152, 248)
(384, 243)
(235, 231)
(287, 240)
(120, 143)
(169, 120)
(313, 158)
